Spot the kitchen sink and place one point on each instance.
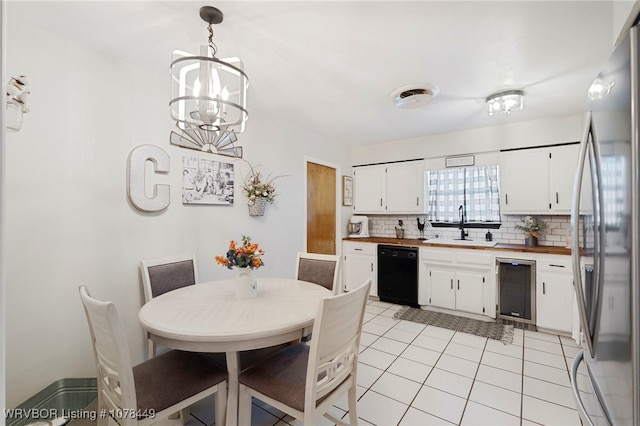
(461, 242)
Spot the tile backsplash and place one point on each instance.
(555, 234)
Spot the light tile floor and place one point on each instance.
(413, 374)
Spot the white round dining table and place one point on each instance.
(207, 317)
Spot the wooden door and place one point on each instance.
(321, 209)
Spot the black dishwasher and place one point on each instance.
(398, 275)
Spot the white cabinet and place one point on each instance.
(470, 291)
(563, 164)
(524, 177)
(538, 180)
(554, 293)
(389, 188)
(360, 264)
(441, 292)
(369, 189)
(405, 187)
(461, 291)
(459, 280)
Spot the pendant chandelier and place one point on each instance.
(208, 96)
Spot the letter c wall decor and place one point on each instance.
(136, 178)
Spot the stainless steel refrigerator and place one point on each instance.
(605, 233)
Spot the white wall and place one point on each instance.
(487, 140)
(624, 15)
(3, 322)
(67, 217)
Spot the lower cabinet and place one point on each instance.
(458, 280)
(554, 293)
(465, 280)
(441, 292)
(360, 264)
(470, 291)
(461, 291)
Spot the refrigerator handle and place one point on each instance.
(575, 247)
(586, 420)
(599, 240)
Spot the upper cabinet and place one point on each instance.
(538, 180)
(389, 188)
(369, 189)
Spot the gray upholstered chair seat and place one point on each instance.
(184, 374)
(282, 376)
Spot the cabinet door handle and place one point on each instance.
(372, 267)
(357, 249)
(458, 284)
(506, 198)
(417, 201)
(380, 202)
(557, 199)
(543, 288)
(451, 283)
(556, 266)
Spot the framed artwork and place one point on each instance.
(206, 181)
(347, 191)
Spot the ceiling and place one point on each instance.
(330, 66)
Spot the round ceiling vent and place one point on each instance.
(414, 96)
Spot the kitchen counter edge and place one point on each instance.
(421, 243)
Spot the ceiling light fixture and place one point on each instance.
(599, 89)
(415, 95)
(208, 96)
(505, 102)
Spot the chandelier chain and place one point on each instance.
(212, 45)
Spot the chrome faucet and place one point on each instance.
(461, 212)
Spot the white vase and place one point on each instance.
(246, 285)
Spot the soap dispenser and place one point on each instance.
(488, 236)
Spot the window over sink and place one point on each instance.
(472, 191)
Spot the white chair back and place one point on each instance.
(333, 356)
(306, 380)
(116, 385)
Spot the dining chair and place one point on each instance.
(303, 380)
(154, 389)
(163, 275)
(319, 269)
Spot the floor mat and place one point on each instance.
(492, 330)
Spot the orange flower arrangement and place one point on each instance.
(246, 255)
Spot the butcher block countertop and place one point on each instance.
(504, 247)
